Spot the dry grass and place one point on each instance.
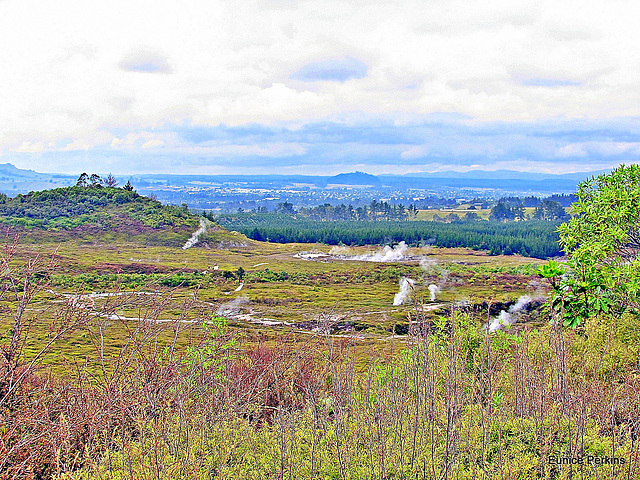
(193, 398)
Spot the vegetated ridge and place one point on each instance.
(95, 211)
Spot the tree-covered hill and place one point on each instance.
(95, 210)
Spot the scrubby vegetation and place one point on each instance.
(194, 398)
(104, 207)
(95, 213)
(602, 240)
(156, 383)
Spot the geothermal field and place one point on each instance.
(132, 350)
(361, 292)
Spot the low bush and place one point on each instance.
(194, 398)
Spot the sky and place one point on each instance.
(319, 87)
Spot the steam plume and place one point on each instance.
(233, 307)
(433, 289)
(506, 318)
(339, 251)
(406, 286)
(196, 235)
(385, 254)
(428, 264)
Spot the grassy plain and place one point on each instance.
(305, 378)
(276, 274)
(284, 290)
(122, 355)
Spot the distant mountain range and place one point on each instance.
(356, 178)
(14, 180)
(6, 169)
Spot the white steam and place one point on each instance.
(406, 287)
(196, 235)
(339, 251)
(431, 267)
(433, 289)
(385, 254)
(503, 320)
(506, 318)
(428, 264)
(233, 307)
(307, 256)
(522, 302)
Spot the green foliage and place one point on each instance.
(83, 180)
(610, 346)
(602, 242)
(206, 354)
(95, 180)
(376, 211)
(110, 181)
(502, 212)
(270, 276)
(531, 238)
(240, 273)
(285, 208)
(573, 298)
(106, 208)
(471, 217)
(550, 210)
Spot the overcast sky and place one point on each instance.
(319, 87)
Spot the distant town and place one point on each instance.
(227, 193)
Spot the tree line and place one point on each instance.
(375, 211)
(514, 209)
(530, 238)
(95, 181)
(507, 209)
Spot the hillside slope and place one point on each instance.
(113, 214)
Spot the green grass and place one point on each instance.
(282, 287)
(256, 401)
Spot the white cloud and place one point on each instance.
(275, 150)
(600, 148)
(143, 139)
(75, 145)
(571, 150)
(156, 142)
(28, 147)
(415, 152)
(145, 61)
(87, 74)
(617, 148)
